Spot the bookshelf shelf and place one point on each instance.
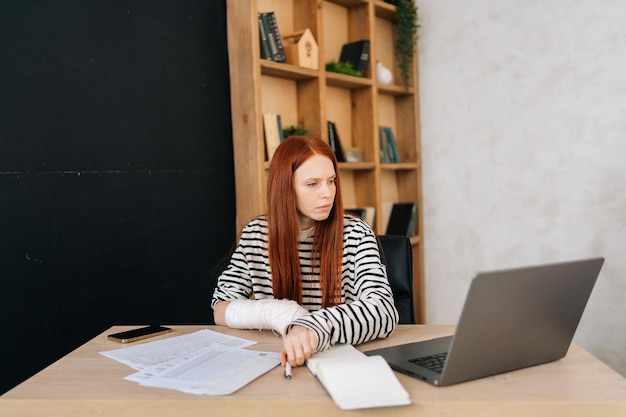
(395, 90)
(349, 3)
(283, 70)
(357, 166)
(357, 106)
(400, 166)
(347, 81)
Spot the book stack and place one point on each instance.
(269, 37)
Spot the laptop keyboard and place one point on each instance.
(433, 362)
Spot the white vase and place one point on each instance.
(383, 74)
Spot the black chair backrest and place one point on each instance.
(398, 258)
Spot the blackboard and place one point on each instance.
(116, 175)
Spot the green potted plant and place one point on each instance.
(342, 68)
(295, 131)
(405, 29)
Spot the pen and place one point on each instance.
(288, 370)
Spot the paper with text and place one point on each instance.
(203, 362)
(160, 351)
(214, 371)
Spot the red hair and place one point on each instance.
(282, 221)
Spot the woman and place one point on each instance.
(315, 274)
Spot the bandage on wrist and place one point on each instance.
(263, 314)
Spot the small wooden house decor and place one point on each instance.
(301, 49)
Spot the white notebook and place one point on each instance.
(354, 380)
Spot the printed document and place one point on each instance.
(160, 351)
(204, 362)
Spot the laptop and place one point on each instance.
(511, 319)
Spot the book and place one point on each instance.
(276, 43)
(356, 381)
(384, 156)
(281, 134)
(402, 219)
(357, 54)
(331, 136)
(393, 147)
(385, 152)
(388, 147)
(335, 142)
(272, 134)
(273, 49)
(264, 41)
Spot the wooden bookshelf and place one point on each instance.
(307, 97)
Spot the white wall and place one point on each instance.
(523, 108)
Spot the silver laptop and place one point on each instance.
(511, 319)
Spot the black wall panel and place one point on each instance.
(116, 176)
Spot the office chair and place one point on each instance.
(398, 258)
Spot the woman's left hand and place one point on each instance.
(298, 346)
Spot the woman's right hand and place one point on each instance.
(299, 344)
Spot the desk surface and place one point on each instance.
(85, 383)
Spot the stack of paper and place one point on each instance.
(204, 362)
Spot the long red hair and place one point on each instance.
(282, 220)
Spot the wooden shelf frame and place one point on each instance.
(308, 97)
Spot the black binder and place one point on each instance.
(402, 220)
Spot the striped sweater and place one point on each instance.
(367, 310)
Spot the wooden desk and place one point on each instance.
(85, 383)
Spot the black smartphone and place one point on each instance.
(138, 334)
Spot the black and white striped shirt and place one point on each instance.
(367, 309)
